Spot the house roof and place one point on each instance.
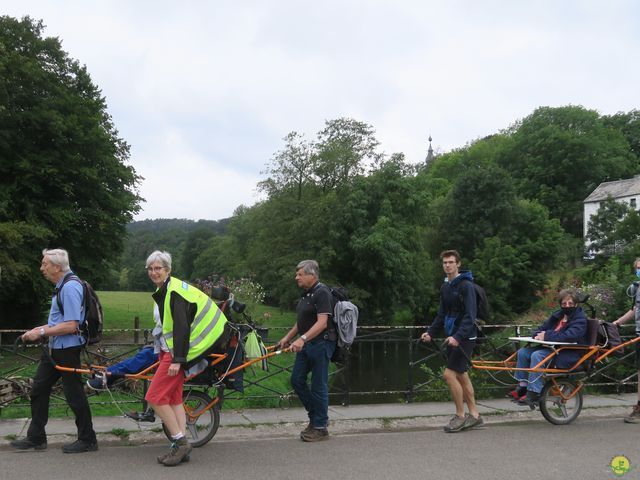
(617, 189)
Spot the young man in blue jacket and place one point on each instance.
(457, 315)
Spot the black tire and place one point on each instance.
(554, 407)
(202, 428)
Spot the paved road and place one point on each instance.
(522, 451)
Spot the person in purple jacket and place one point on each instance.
(569, 324)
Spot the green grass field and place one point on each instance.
(120, 309)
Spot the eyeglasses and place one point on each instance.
(155, 269)
(567, 304)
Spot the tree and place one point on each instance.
(342, 148)
(603, 226)
(377, 240)
(196, 242)
(629, 125)
(63, 168)
(558, 156)
(290, 168)
(479, 205)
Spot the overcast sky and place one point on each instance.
(204, 91)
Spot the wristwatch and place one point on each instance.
(42, 332)
(304, 338)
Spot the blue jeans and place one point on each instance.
(314, 357)
(527, 358)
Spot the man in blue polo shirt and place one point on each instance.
(65, 345)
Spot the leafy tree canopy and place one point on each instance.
(558, 156)
(63, 168)
(511, 203)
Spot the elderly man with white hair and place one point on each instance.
(65, 342)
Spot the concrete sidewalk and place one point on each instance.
(273, 423)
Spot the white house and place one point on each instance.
(627, 191)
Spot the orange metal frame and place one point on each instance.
(594, 352)
(147, 373)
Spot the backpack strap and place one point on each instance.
(68, 277)
(460, 297)
(463, 311)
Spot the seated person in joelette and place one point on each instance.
(569, 324)
(144, 358)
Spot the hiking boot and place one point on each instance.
(178, 453)
(633, 417)
(27, 444)
(315, 435)
(80, 446)
(471, 422)
(98, 382)
(165, 455)
(455, 424)
(307, 429)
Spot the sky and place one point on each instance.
(205, 91)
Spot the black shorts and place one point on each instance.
(459, 358)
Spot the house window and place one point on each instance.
(632, 203)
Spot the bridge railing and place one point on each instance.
(386, 363)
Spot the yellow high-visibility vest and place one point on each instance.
(207, 325)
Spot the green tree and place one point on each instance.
(558, 156)
(63, 168)
(479, 205)
(196, 242)
(513, 265)
(629, 125)
(290, 167)
(603, 227)
(342, 149)
(378, 242)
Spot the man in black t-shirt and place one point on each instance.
(314, 348)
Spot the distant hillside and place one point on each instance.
(160, 225)
(181, 237)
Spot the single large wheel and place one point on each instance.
(201, 425)
(555, 404)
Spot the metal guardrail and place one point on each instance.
(408, 361)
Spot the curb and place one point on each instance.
(272, 431)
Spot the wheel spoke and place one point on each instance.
(193, 429)
(559, 403)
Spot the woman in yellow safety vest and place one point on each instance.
(188, 325)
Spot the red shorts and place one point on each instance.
(165, 390)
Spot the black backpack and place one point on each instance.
(483, 311)
(91, 327)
